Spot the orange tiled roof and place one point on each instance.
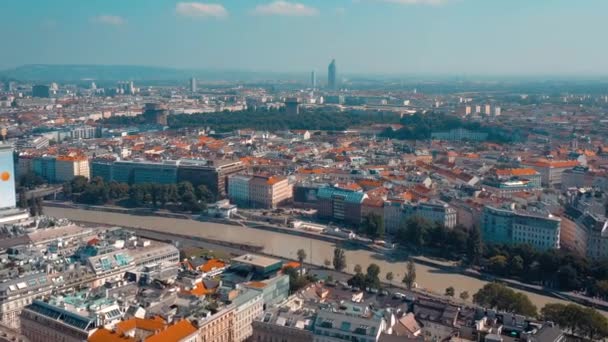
(199, 290)
(212, 265)
(176, 332)
(516, 172)
(257, 284)
(104, 335)
(292, 264)
(553, 163)
(152, 324)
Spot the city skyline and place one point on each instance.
(452, 37)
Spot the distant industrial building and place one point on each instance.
(156, 113)
(40, 90)
(292, 105)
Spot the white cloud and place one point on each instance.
(416, 2)
(112, 20)
(285, 8)
(201, 10)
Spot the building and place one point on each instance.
(40, 90)
(249, 305)
(138, 172)
(332, 74)
(68, 167)
(292, 105)
(488, 110)
(156, 113)
(432, 211)
(313, 80)
(497, 111)
(551, 170)
(259, 191)
(211, 173)
(281, 325)
(238, 189)
(351, 323)
(583, 177)
(193, 85)
(7, 177)
(467, 110)
(505, 182)
(340, 204)
(70, 318)
(45, 167)
(537, 228)
(217, 328)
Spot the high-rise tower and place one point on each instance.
(331, 75)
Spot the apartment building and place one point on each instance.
(259, 191)
(538, 228)
(551, 170)
(249, 305)
(211, 173)
(68, 167)
(219, 327)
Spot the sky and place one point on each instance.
(450, 37)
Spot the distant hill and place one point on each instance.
(73, 73)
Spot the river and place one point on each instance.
(286, 246)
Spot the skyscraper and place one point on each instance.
(193, 85)
(331, 75)
(313, 80)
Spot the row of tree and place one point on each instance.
(182, 196)
(450, 243)
(577, 320)
(270, 119)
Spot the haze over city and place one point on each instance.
(453, 37)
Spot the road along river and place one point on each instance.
(286, 246)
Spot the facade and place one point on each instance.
(340, 204)
(218, 327)
(134, 172)
(238, 189)
(432, 211)
(259, 191)
(45, 168)
(193, 85)
(212, 173)
(249, 305)
(508, 226)
(68, 167)
(551, 170)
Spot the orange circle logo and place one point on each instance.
(5, 176)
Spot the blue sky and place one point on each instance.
(460, 37)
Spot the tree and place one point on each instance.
(464, 295)
(500, 297)
(301, 257)
(203, 194)
(358, 269)
(339, 260)
(474, 246)
(38, 204)
(389, 277)
(578, 320)
(516, 265)
(373, 226)
(372, 276)
(409, 279)
(450, 292)
(497, 264)
(414, 231)
(22, 203)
